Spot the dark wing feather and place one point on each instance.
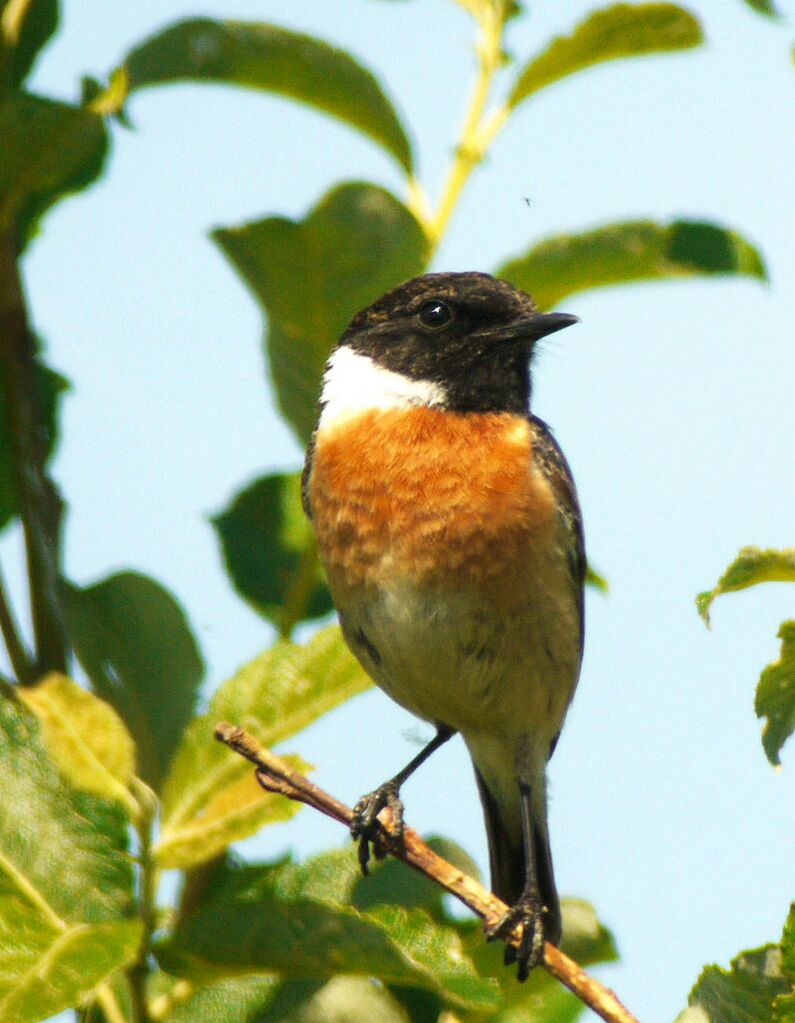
(552, 462)
(307, 472)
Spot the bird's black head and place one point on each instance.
(468, 335)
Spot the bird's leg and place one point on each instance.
(364, 825)
(528, 910)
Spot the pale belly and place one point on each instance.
(505, 665)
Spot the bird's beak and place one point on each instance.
(532, 327)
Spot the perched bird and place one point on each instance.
(448, 524)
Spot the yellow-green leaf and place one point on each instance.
(56, 969)
(622, 30)
(276, 695)
(775, 696)
(637, 250)
(751, 566)
(85, 737)
(233, 812)
(260, 56)
(66, 880)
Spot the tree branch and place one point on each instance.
(277, 776)
(39, 504)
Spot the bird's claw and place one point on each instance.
(365, 826)
(528, 911)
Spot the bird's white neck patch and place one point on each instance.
(355, 383)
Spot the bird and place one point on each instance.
(449, 528)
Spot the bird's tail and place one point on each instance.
(508, 865)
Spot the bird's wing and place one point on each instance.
(307, 472)
(552, 462)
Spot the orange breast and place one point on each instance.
(427, 495)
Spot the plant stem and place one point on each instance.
(40, 507)
(109, 1004)
(472, 144)
(148, 882)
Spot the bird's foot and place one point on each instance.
(365, 827)
(528, 911)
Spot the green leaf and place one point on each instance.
(312, 276)
(66, 880)
(258, 919)
(51, 386)
(784, 1005)
(273, 59)
(270, 1000)
(84, 736)
(134, 643)
(49, 150)
(752, 565)
(276, 695)
(775, 696)
(746, 993)
(269, 551)
(623, 30)
(765, 7)
(639, 250)
(25, 27)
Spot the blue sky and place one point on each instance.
(674, 404)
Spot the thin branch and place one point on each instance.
(40, 506)
(277, 776)
(17, 654)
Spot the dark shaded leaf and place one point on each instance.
(639, 250)
(775, 696)
(260, 56)
(51, 387)
(26, 29)
(623, 30)
(134, 643)
(311, 276)
(66, 880)
(259, 919)
(269, 551)
(49, 150)
(752, 566)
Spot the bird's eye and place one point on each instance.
(434, 314)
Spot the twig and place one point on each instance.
(275, 775)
